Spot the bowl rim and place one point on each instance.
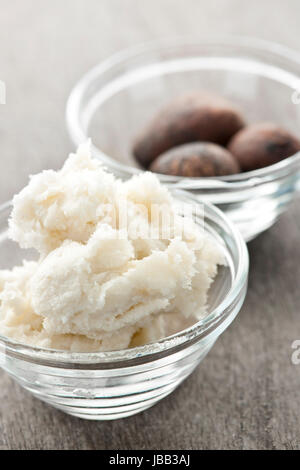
(164, 346)
(241, 43)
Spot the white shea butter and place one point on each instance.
(109, 274)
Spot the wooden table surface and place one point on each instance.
(246, 393)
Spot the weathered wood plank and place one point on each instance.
(246, 393)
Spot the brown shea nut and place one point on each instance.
(196, 159)
(192, 117)
(261, 145)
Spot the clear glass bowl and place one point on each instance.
(111, 385)
(112, 102)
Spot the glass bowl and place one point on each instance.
(113, 101)
(111, 385)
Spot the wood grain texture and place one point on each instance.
(245, 395)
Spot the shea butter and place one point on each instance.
(109, 273)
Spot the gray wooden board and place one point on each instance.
(245, 394)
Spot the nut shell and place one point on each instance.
(261, 145)
(196, 159)
(193, 117)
